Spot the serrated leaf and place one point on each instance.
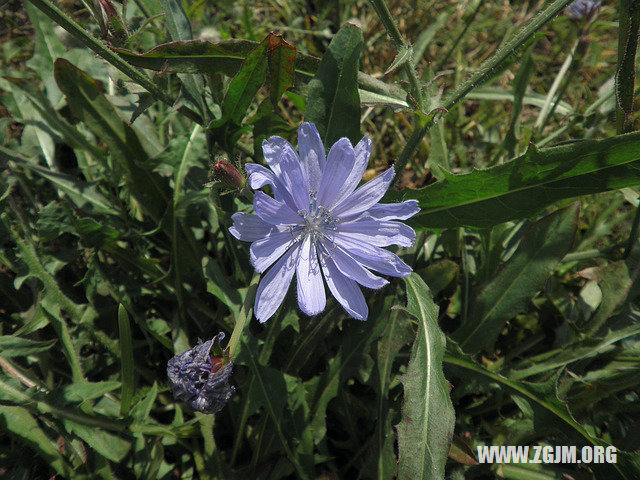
(509, 292)
(333, 102)
(424, 433)
(525, 185)
(403, 56)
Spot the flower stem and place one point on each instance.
(243, 316)
(77, 31)
(392, 29)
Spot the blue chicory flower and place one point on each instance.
(318, 223)
(200, 380)
(582, 8)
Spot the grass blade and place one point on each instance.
(126, 360)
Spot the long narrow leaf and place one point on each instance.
(424, 434)
(529, 183)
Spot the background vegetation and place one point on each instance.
(115, 252)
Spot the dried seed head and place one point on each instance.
(201, 380)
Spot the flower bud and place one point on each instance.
(227, 174)
(201, 380)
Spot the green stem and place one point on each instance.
(486, 71)
(77, 31)
(243, 316)
(392, 29)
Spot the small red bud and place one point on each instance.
(227, 174)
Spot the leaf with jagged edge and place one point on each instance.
(426, 428)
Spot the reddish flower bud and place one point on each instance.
(227, 174)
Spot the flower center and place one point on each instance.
(317, 220)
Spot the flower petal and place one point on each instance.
(312, 154)
(393, 211)
(364, 197)
(379, 233)
(311, 295)
(345, 290)
(273, 211)
(274, 285)
(267, 250)
(260, 176)
(339, 165)
(249, 228)
(372, 257)
(362, 152)
(285, 164)
(352, 269)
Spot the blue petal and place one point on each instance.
(274, 285)
(267, 250)
(362, 152)
(312, 154)
(249, 228)
(260, 176)
(273, 211)
(393, 211)
(285, 164)
(339, 165)
(345, 290)
(372, 257)
(364, 197)
(352, 269)
(311, 295)
(379, 233)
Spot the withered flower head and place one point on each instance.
(200, 376)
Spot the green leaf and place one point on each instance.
(244, 86)
(20, 423)
(87, 102)
(281, 57)
(403, 56)
(126, 360)
(539, 401)
(180, 30)
(226, 57)
(522, 187)
(520, 84)
(333, 103)
(20, 347)
(582, 349)
(532, 98)
(509, 292)
(82, 194)
(629, 23)
(271, 390)
(397, 334)
(426, 428)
